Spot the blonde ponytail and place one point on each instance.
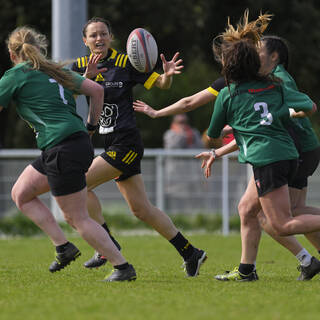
(31, 46)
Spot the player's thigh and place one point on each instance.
(297, 197)
(276, 205)
(74, 205)
(99, 172)
(31, 183)
(133, 190)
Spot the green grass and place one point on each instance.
(29, 291)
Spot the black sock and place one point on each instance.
(183, 246)
(246, 268)
(105, 227)
(62, 247)
(122, 266)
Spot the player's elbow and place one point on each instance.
(187, 104)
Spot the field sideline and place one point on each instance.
(29, 291)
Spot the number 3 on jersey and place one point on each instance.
(265, 114)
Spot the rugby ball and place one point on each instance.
(142, 50)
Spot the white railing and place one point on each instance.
(160, 156)
(220, 193)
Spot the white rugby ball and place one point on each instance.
(142, 50)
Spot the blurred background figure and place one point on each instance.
(179, 182)
(181, 135)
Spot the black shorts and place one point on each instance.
(274, 175)
(124, 151)
(308, 163)
(66, 163)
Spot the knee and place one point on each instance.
(281, 230)
(140, 210)
(246, 211)
(17, 196)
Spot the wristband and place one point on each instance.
(291, 112)
(91, 127)
(213, 153)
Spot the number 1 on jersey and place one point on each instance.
(61, 90)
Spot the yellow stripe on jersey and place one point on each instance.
(83, 62)
(151, 80)
(120, 62)
(125, 61)
(213, 91)
(79, 63)
(86, 60)
(118, 58)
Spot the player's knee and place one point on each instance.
(140, 210)
(245, 210)
(17, 196)
(281, 230)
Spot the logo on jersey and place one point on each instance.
(109, 115)
(112, 154)
(99, 77)
(115, 84)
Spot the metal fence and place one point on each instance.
(173, 179)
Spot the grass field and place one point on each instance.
(29, 291)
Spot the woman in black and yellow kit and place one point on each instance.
(256, 106)
(123, 145)
(43, 91)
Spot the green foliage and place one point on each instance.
(184, 26)
(18, 224)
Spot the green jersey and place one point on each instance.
(45, 105)
(256, 111)
(307, 136)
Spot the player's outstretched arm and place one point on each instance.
(183, 105)
(170, 68)
(208, 157)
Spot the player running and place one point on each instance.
(43, 91)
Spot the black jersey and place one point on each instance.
(117, 81)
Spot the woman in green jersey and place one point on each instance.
(253, 107)
(274, 56)
(43, 92)
(277, 54)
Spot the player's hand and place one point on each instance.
(142, 107)
(207, 161)
(92, 69)
(173, 66)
